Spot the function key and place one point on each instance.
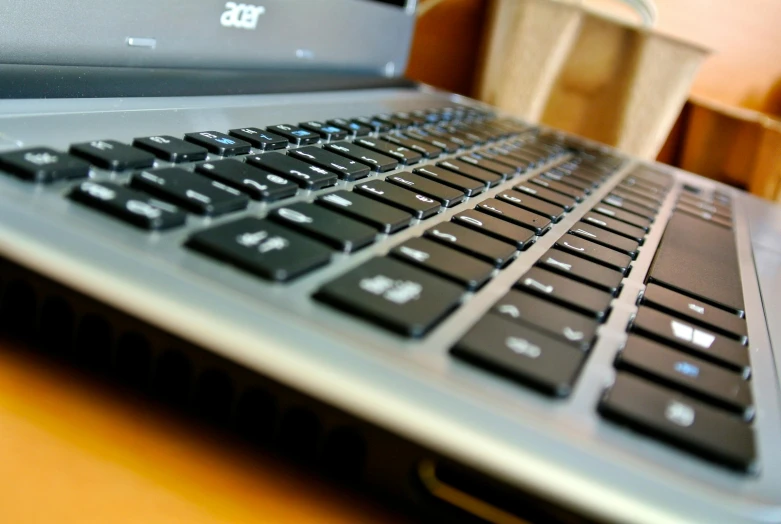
(219, 143)
(191, 191)
(375, 161)
(520, 237)
(453, 265)
(419, 205)
(594, 252)
(44, 165)
(171, 149)
(402, 154)
(338, 231)
(446, 195)
(566, 292)
(581, 270)
(305, 175)
(113, 155)
(393, 295)
(263, 140)
(471, 242)
(354, 128)
(521, 353)
(295, 135)
(384, 218)
(326, 131)
(346, 169)
(128, 205)
(680, 420)
(258, 184)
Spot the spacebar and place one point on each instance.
(699, 259)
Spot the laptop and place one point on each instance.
(246, 209)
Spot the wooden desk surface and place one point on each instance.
(74, 449)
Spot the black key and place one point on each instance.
(191, 191)
(261, 247)
(640, 188)
(402, 154)
(326, 131)
(459, 140)
(651, 177)
(520, 237)
(535, 205)
(446, 195)
(521, 353)
(562, 290)
(419, 205)
(503, 155)
(384, 218)
(681, 421)
(698, 312)
(257, 183)
(636, 199)
(126, 204)
(354, 128)
(378, 126)
(691, 338)
(623, 204)
(699, 259)
(344, 167)
(260, 138)
(555, 320)
(171, 149)
(425, 149)
(113, 155)
(614, 226)
(605, 238)
(547, 195)
(709, 206)
(44, 165)
(515, 215)
(305, 175)
(558, 187)
(581, 270)
(579, 184)
(473, 243)
(395, 121)
(468, 170)
(393, 295)
(624, 216)
(219, 143)
(704, 215)
(453, 265)
(594, 252)
(295, 135)
(469, 186)
(505, 170)
(419, 135)
(338, 231)
(693, 376)
(375, 161)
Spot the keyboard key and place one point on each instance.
(555, 320)
(260, 138)
(113, 155)
(552, 212)
(219, 143)
(345, 168)
(393, 295)
(445, 195)
(470, 171)
(326, 131)
(419, 205)
(453, 265)
(700, 260)
(128, 205)
(558, 187)
(579, 184)
(473, 243)
(375, 161)
(547, 195)
(499, 168)
(295, 135)
(191, 191)
(704, 215)
(692, 339)
(338, 231)
(257, 183)
(569, 293)
(377, 126)
(354, 128)
(420, 135)
(469, 186)
(171, 149)
(681, 421)
(402, 154)
(43, 165)
(693, 376)
(521, 353)
(425, 149)
(261, 247)
(537, 223)
(384, 218)
(305, 175)
(581, 270)
(520, 237)
(605, 238)
(711, 206)
(624, 216)
(637, 199)
(614, 226)
(594, 252)
(614, 201)
(454, 138)
(696, 311)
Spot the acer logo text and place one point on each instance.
(242, 16)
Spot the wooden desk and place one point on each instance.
(75, 449)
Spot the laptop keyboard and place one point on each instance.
(682, 376)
